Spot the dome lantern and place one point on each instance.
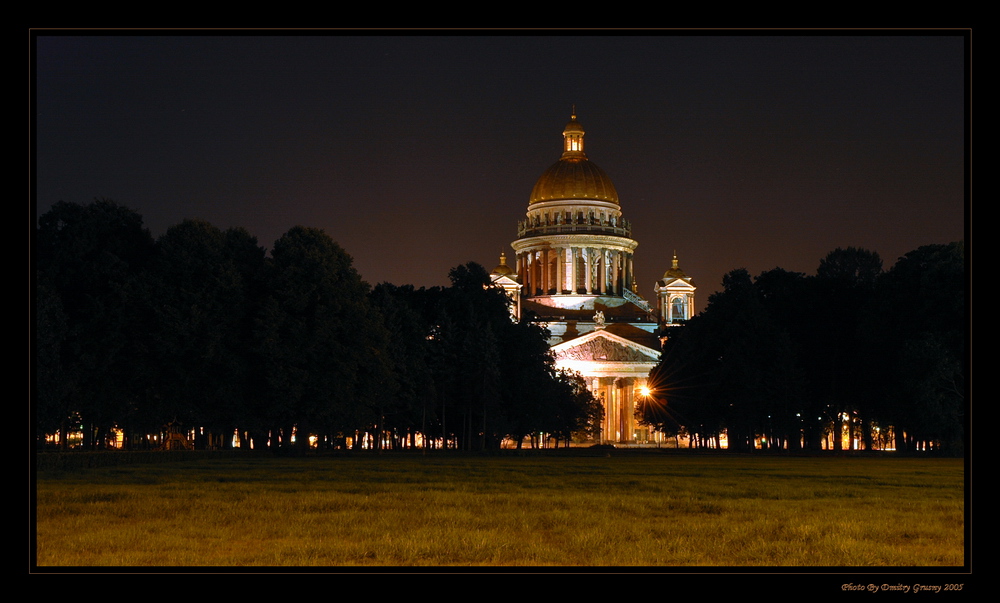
(573, 139)
(573, 176)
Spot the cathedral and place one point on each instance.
(573, 272)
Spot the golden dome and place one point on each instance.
(573, 176)
(674, 271)
(573, 126)
(502, 268)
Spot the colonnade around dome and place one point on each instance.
(576, 265)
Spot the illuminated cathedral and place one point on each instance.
(573, 272)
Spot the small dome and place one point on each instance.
(503, 269)
(573, 127)
(674, 271)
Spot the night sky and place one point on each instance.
(418, 152)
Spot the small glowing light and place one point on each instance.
(644, 390)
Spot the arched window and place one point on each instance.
(679, 309)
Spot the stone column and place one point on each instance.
(545, 271)
(618, 272)
(560, 270)
(532, 271)
(540, 271)
(522, 261)
(556, 260)
(577, 259)
(526, 273)
(572, 270)
(609, 274)
(599, 285)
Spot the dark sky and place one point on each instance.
(418, 152)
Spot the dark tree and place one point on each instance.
(409, 407)
(919, 332)
(204, 286)
(577, 412)
(854, 266)
(53, 383)
(321, 346)
(476, 312)
(841, 296)
(91, 261)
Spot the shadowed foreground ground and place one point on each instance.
(620, 510)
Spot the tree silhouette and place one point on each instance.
(90, 262)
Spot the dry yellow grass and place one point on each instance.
(629, 510)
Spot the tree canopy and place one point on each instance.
(850, 355)
(203, 329)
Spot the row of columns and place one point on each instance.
(587, 270)
(618, 395)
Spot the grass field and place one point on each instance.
(621, 510)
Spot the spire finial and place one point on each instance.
(573, 113)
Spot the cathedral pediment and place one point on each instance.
(601, 346)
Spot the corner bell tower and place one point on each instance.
(675, 295)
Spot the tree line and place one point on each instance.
(851, 357)
(203, 329)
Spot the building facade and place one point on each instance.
(573, 272)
